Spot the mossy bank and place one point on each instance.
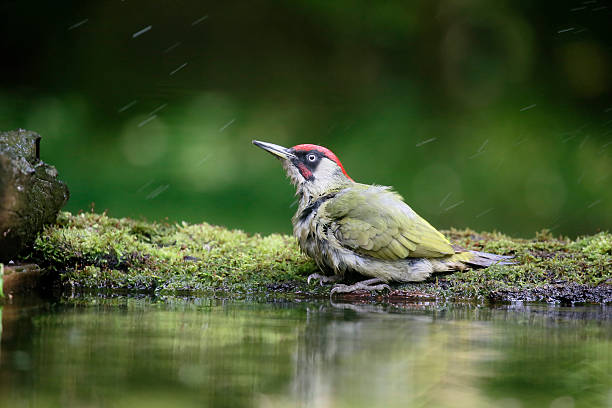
(96, 252)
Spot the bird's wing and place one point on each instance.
(375, 221)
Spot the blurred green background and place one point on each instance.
(482, 115)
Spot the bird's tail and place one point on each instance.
(465, 259)
(484, 259)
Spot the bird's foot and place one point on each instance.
(368, 285)
(323, 278)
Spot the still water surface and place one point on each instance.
(145, 352)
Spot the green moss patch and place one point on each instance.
(548, 268)
(94, 251)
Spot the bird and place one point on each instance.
(350, 227)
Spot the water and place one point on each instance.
(128, 352)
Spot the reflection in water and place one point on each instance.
(203, 352)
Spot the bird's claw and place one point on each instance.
(367, 285)
(321, 278)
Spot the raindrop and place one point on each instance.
(480, 150)
(226, 125)
(528, 107)
(157, 191)
(160, 107)
(454, 205)
(178, 69)
(145, 185)
(445, 198)
(199, 20)
(173, 46)
(128, 106)
(147, 120)
(425, 141)
(80, 23)
(594, 203)
(141, 32)
(484, 212)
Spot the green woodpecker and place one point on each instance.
(347, 226)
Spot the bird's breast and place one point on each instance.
(310, 228)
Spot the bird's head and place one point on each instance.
(314, 170)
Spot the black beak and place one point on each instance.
(278, 151)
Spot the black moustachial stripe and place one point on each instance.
(314, 206)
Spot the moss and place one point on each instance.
(94, 251)
(547, 268)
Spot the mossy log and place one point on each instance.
(96, 252)
(30, 194)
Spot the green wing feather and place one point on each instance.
(375, 221)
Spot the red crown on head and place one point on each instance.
(324, 150)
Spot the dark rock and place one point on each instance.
(30, 193)
(19, 279)
(565, 294)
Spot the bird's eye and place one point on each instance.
(311, 157)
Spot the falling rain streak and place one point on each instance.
(160, 107)
(141, 32)
(147, 120)
(567, 139)
(480, 150)
(425, 142)
(178, 69)
(450, 207)
(173, 46)
(446, 197)
(145, 185)
(128, 106)
(80, 23)
(528, 107)
(484, 212)
(157, 191)
(199, 20)
(594, 203)
(226, 125)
